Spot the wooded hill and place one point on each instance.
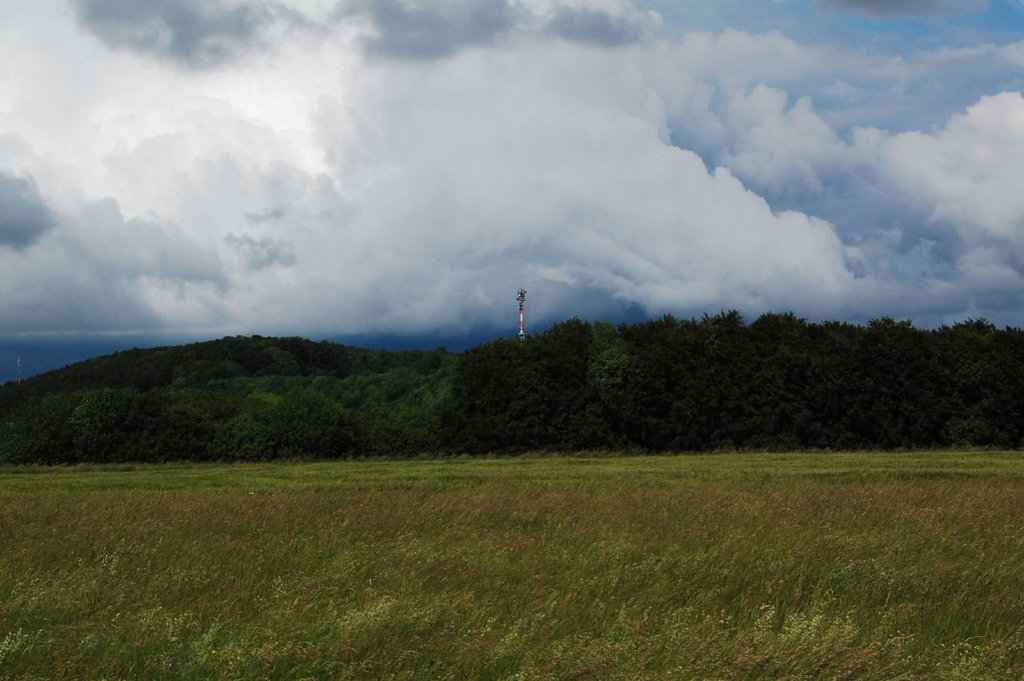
(661, 385)
(238, 398)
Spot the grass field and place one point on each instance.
(737, 566)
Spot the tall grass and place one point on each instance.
(852, 566)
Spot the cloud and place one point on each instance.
(268, 215)
(960, 181)
(895, 8)
(195, 33)
(409, 165)
(423, 30)
(553, 171)
(598, 26)
(916, 207)
(99, 273)
(24, 215)
(263, 252)
(418, 29)
(968, 172)
(779, 149)
(135, 249)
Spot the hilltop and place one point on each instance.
(196, 401)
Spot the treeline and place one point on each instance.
(232, 399)
(778, 383)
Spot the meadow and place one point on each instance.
(906, 565)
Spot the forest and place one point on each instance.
(663, 385)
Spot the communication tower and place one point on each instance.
(521, 297)
(19, 369)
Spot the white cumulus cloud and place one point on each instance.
(325, 168)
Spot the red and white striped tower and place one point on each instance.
(521, 297)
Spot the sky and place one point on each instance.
(390, 172)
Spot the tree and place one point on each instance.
(38, 431)
(777, 394)
(103, 424)
(300, 423)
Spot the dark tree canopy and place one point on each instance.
(667, 384)
(720, 383)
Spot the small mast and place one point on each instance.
(521, 297)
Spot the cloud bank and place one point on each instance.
(402, 167)
(891, 8)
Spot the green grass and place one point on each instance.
(738, 566)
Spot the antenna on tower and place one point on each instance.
(521, 297)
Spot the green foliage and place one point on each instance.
(183, 430)
(233, 399)
(300, 423)
(714, 383)
(404, 430)
(514, 396)
(104, 423)
(38, 431)
(719, 383)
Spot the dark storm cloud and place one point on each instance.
(196, 33)
(885, 8)
(433, 30)
(24, 215)
(594, 26)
